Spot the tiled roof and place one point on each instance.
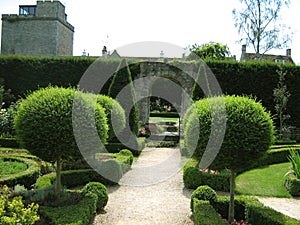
(266, 57)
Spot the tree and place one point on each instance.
(281, 96)
(44, 124)
(248, 135)
(212, 50)
(260, 24)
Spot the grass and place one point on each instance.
(11, 167)
(162, 119)
(265, 181)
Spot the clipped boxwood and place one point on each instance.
(78, 214)
(247, 208)
(292, 185)
(99, 190)
(9, 142)
(204, 193)
(26, 178)
(205, 214)
(71, 178)
(193, 177)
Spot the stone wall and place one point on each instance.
(45, 34)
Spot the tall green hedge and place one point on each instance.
(23, 74)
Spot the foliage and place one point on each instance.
(120, 81)
(44, 123)
(259, 23)
(14, 211)
(205, 214)
(77, 214)
(1, 94)
(115, 113)
(7, 120)
(292, 185)
(248, 135)
(11, 167)
(249, 131)
(203, 193)
(193, 178)
(281, 96)
(294, 159)
(72, 178)
(26, 74)
(26, 177)
(99, 190)
(210, 50)
(247, 208)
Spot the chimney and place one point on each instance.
(288, 52)
(244, 48)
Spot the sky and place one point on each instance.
(118, 24)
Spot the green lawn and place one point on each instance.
(11, 167)
(160, 119)
(265, 181)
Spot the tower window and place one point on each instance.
(27, 10)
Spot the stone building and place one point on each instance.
(287, 58)
(38, 30)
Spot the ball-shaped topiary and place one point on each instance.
(44, 123)
(114, 112)
(248, 134)
(249, 131)
(99, 190)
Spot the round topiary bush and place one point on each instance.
(99, 190)
(248, 135)
(246, 132)
(128, 153)
(114, 112)
(44, 123)
(204, 193)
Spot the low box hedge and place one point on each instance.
(247, 208)
(70, 178)
(292, 185)
(73, 207)
(9, 142)
(205, 214)
(193, 177)
(78, 214)
(115, 147)
(26, 178)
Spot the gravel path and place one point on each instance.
(151, 193)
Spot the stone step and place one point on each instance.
(166, 136)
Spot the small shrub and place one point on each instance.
(99, 190)
(14, 211)
(128, 154)
(292, 185)
(203, 193)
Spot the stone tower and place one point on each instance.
(38, 30)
